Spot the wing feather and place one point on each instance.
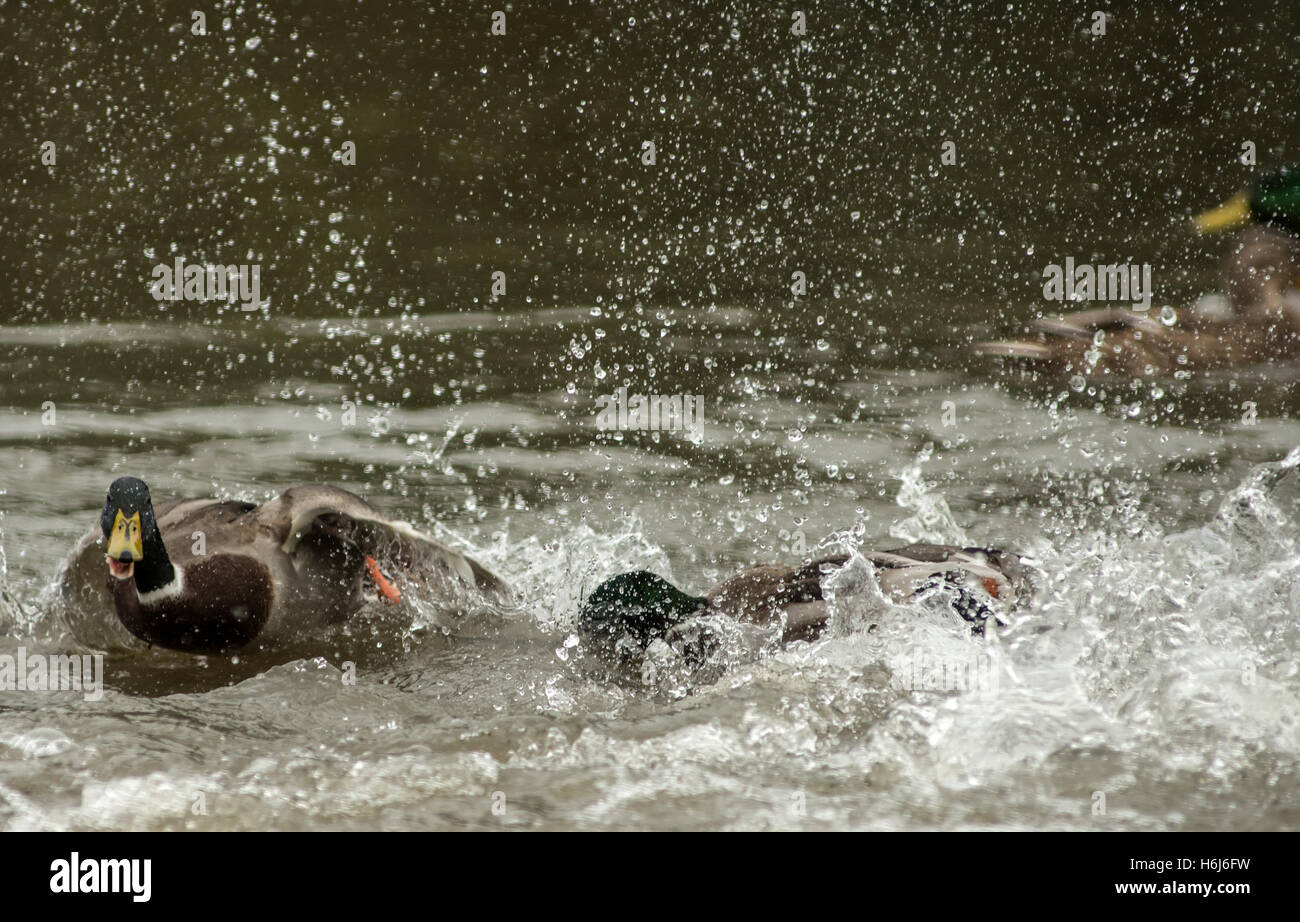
(330, 512)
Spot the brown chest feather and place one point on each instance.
(224, 603)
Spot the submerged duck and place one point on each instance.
(627, 613)
(212, 576)
(1258, 275)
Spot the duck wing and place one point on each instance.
(1002, 574)
(1077, 326)
(1085, 324)
(1104, 341)
(772, 593)
(794, 596)
(318, 526)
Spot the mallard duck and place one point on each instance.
(1265, 260)
(625, 614)
(1271, 200)
(1258, 275)
(210, 576)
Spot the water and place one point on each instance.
(1155, 672)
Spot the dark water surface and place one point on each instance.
(853, 409)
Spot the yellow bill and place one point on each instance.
(1233, 213)
(125, 539)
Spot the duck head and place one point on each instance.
(637, 607)
(1273, 199)
(135, 546)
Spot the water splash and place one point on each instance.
(932, 521)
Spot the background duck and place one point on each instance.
(221, 576)
(1258, 277)
(628, 612)
(1265, 259)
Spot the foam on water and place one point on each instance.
(1172, 657)
(1154, 674)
